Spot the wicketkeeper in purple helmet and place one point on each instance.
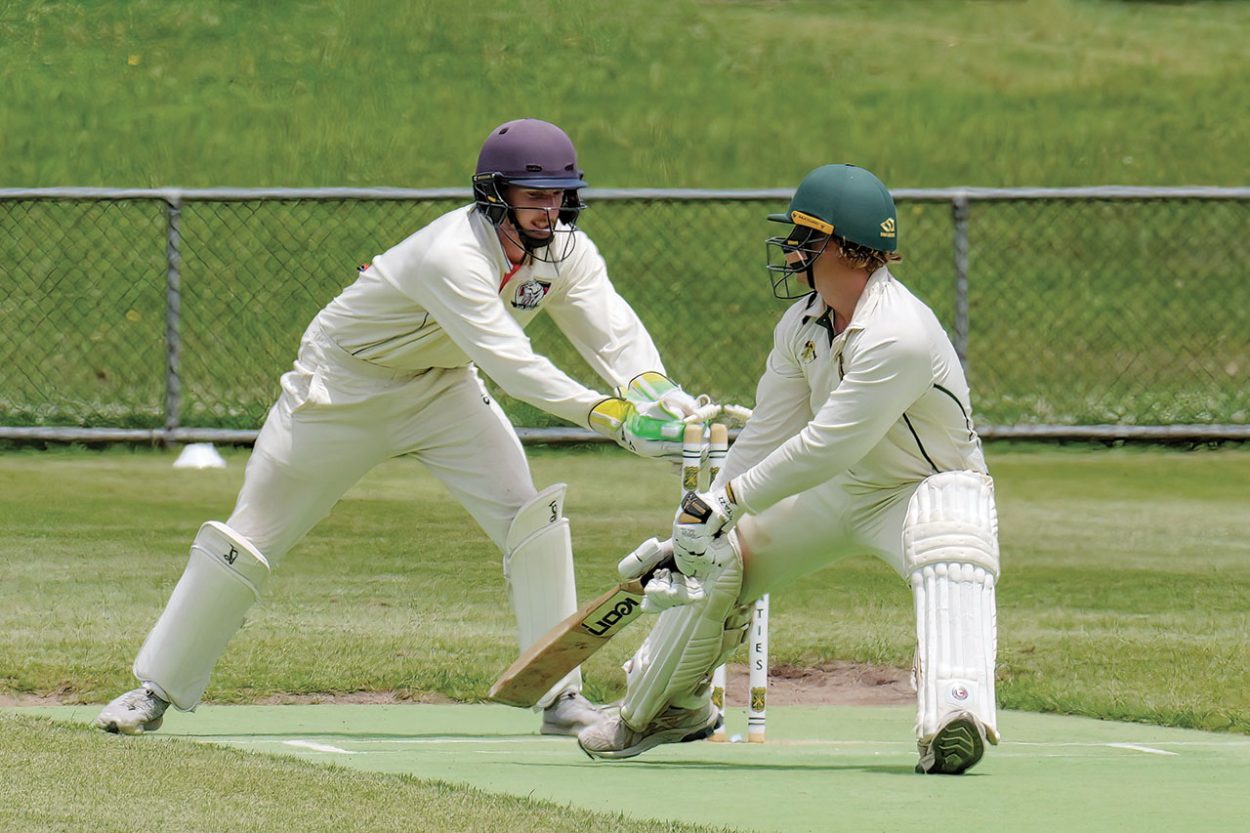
(391, 367)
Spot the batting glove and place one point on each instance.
(668, 588)
(701, 531)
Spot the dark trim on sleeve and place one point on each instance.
(920, 445)
(972, 435)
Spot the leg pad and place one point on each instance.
(223, 579)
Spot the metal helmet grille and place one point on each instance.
(809, 245)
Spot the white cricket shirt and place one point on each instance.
(447, 297)
(885, 401)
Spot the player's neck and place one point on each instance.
(512, 250)
(841, 290)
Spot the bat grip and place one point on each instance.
(669, 564)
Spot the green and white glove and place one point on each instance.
(643, 435)
(659, 397)
(647, 416)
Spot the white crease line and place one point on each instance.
(317, 747)
(1139, 748)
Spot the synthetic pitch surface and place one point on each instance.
(822, 768)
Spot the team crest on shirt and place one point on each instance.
(809, 352)
(530, 294)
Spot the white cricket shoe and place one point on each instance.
(614, 738)
(569, 714)
(134, 713)
(954, 748)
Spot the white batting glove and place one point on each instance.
(670, 589)
(648, 555)
(701, 529)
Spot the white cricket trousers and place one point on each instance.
(816, 528)
(338, 417)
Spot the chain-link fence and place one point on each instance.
(169, 315)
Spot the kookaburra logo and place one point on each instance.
(530, 294)
(616, 614)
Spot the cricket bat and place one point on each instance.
(568, 645)
(578, 637)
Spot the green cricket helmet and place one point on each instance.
(833, 201)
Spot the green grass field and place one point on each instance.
(693, 93)
(1125, 570)
(1123, 593)
(658, 93)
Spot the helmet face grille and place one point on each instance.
(793, 255)
(492, 202)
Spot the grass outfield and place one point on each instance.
(66, 780)
(1123, 597)
(718, 93)
(1123, 591)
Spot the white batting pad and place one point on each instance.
(950, 549)
(675, 662)
(538, 567)
(223, 579)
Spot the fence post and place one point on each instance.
(959, 216)
(173, 316)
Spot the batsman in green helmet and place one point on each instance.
(838, 206)
(861, 441)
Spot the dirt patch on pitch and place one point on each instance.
(831, 684)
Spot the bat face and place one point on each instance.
(578, 637)
(567, 646)
(617, 612)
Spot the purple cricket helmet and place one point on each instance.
(533, 154)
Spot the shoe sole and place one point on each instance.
(956, 748)
(654, 740)
(113, 728)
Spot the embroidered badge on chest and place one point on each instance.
(530, 294)
(809, 352)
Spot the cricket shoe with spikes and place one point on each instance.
(133, 713)
(954, 748)
(569, 714)
(613, 738)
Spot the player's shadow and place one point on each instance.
(720, 766)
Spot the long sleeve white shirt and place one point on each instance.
(447, 297)
(885, 401)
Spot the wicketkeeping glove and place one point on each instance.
(658, 397)
(644, 435)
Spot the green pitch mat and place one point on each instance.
(822, 768)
